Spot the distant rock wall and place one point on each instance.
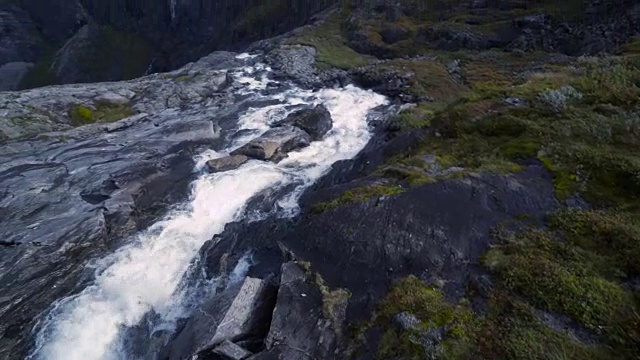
(71, 41)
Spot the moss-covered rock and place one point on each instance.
(101, 112)
(358, 194)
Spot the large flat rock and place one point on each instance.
(275, 143)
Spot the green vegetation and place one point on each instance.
(82, 115)
(358, 194)
(334, 302)
(331, 48)
(580, 277)
(509, 329)
(578, 118)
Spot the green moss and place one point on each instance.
(415, 118)
(334, 302)
(508, 329)
(611, 234)
(331, 48)
(613, 81)
(429, 305)
(520, 149)
(358, 195)
(414, 176)
(413, 296)
(82, 115)
(182, 78)
(511, 329)
(565, 278)
(564, 183)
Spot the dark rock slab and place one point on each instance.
(440, 229)
(275, 143)
(237, 313)
(299, 329)
(315, 121)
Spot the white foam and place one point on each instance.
(146, 275)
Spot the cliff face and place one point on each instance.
(56, 42)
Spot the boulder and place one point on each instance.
(239, 312)
(226, 163)
(275, 143)
(314, 121)
(299, 324)
(230, 351)
(238, 320)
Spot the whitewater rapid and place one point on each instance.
(146, 275)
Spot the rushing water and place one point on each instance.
(146, 275)
(172, 8)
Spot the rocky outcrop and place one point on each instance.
(240, 313)
(126, 38)
(275, 143)
(314, 335)
(101, 53)
(315, 122)
(597, 27)
(305, 320)
(20, 38)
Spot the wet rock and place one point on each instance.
(226, 163)
(241, 311)
(275, 143)
(316, 121)
(241, 315)
(230, 351)
(297, 62)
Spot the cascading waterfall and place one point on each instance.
(172, 8)
(146, 275)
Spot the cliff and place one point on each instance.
(74, 41)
